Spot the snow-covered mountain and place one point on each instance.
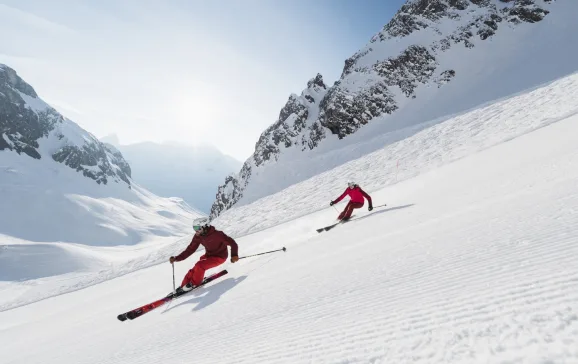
(68, 203)
(473, 260)
(30, 126)
(170, 169)
(60, 183)
(434, 58)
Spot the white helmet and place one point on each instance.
(351, 184)
(200, 222)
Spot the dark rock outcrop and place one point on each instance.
(25, 120)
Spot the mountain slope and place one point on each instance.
(172, 169)
(434, 58)
(59, 183)
(69, 208)
(28, 125)
(407, 153)
(472, 262)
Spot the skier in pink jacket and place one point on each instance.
(356, 195)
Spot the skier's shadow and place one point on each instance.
(382, 211)
(213, 293)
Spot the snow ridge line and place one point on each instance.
(427, 149)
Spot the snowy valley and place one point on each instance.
(69, 207)
(473, 260)
(193, 174)
(459, 118)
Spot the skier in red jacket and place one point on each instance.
(356, 195)
(216, 253)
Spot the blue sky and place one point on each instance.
(215, 72)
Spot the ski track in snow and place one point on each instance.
(475, 261)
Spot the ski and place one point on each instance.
(327, 228)
(137, 312)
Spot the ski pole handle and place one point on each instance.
(272, 251)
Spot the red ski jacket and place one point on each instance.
(356, 194)
(215, 243)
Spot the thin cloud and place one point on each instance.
(26, 19)
(63, 107)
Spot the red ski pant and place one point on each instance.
(196, 275)
(346, 213)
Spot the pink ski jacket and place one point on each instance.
(356, 194)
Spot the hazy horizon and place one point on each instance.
(191, 72)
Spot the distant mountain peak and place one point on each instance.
(26, 122)
(172, 168)
(111, 139)
(9, 77)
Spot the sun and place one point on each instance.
(196, 112)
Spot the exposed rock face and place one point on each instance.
(230, 192)
(25, 121)
(294, 127)
(20, 126)
(376, 81)
(420, 14)
(343, 111)
(95, 160)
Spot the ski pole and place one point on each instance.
(174, 286)
(272, 251)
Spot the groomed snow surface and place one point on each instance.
(61, 231)
(473, 260)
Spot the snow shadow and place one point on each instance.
(213, 293)
(383, 211)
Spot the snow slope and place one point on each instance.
(408, 152)
(474, 260)
(60, 231)
(45, 201)
(69, 209)
(58, 183)
(396, 81)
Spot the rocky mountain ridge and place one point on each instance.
(380, 79)
(30, 126)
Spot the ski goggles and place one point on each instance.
(197, 227)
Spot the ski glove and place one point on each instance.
(172, 260)
(370, 208)
(331, 203)
(234, 258)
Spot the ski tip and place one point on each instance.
(121, 317)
